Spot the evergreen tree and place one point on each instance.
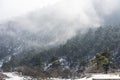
(101, 62)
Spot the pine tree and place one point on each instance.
(101, 62)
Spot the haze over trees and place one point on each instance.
(63, 40)
(98, 45)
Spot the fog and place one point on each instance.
(13, 8)
(55, 24)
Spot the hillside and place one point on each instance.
(85, 46)
(74, 55)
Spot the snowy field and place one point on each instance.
(15, 76)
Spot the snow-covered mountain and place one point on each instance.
(68, 31)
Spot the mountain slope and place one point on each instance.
(82, 47)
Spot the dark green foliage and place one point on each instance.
(102, 60)
(6, 67)
(55, 63)
(9, 66)
(36, 61)
(53, 59)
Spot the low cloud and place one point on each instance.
(55, 24)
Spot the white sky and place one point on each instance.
(13, 8)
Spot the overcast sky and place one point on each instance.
(12, 8)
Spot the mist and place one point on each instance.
(55, 24)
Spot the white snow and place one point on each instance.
(106, 76)
(102, 77)
(96, 76)
(15, 76)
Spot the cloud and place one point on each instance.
(14, 8)
(108, 11)
(55, 24)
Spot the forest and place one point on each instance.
(97, 48)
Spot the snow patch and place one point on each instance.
(15, 76)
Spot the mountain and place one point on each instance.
(81, 48)
(60, 39)
(53, 25)
(86, 46)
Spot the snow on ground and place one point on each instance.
(97, 76)
(15, 76)
(106, 76)
(101, 77)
